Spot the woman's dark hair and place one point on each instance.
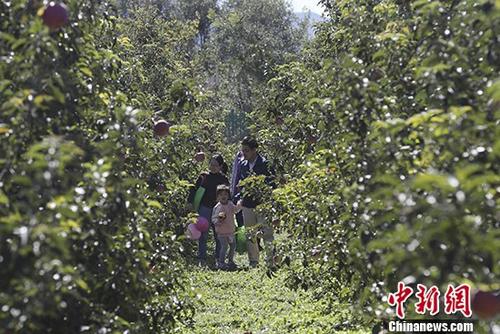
(221, 162)
(250, 142)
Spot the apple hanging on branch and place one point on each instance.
(161, 128)
(55, 15)
(160, 187)
(311, 139)
(486, 304)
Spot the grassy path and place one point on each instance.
(247, 301)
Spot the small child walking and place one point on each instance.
(223, 220)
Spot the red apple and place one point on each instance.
(55, 15)
(485, 304)
(161, 128)
(200, 156)
(311, 139)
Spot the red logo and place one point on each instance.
(458, 299)
(455, 300)
(427, 300)
(399, 298)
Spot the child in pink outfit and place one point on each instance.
(223, 219)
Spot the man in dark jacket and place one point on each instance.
(255, 164)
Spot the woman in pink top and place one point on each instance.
(223, 219)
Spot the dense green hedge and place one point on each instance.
(84, 184)
(387, 136)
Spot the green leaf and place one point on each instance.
(82, 284)
(422, 117)
(40, 100)
(86, 71)
(154, 204)
(4, 200)
(432, 181)
(58, 94)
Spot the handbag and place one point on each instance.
(199, 195)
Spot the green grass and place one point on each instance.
(247, 301)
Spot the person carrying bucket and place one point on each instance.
(204, 195)
(255, 164)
